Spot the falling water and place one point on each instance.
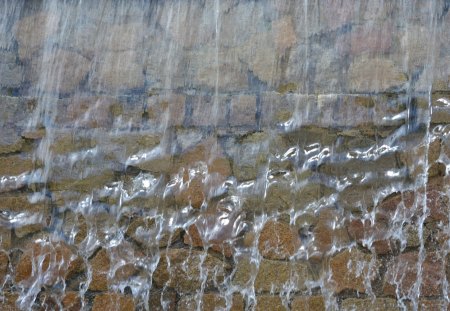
(224, 155)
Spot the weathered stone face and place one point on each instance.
(278, 240)
(186, 272)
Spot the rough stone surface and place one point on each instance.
(374, 75)
(72, 301)
(58, 261)
(211, 302)
(112, 301)
(185, 273)
(312, 303)
(100, 265)
(380, 304)
(266, 302)
(15, 165)
(278, 240)
(353, 270)
(401, 274)
(163, 301)
(271, 275)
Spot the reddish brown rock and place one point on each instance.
(272, 275)
(210, 302)
(100, 264)
(15, 165)
(4, 261)
(72, 301)
(278, 240)
(437, 203)
(377, 233)
(113, 302)
(402, 273)
(194, 238)
(379, 304)
(311, 303)
(192, 194)
(58, 261)
(351, 269)
(185, 274)
(90, 112)
(266, 302)
(8, 302)
(163, 301)
(327, 233)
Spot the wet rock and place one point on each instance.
(278, 240)
(211, 302)
(185, 274)
(272, 275)
(266, 302)
(374, 75)
(401, 275)
(375, 236)
(58, 261)
(113, 302)
(145, 230)
(379, 304)
(372, 38)
(8, 303)
(87, 112)
(15, 165)
(100, 265)
(4, 261)
(168, 107)
(72, 301)
(5, 240)
(209, 111)
(243, 110)
(12, 72)
(193, 194)
(312, 303)
(163, 301)
(328, 233)
(233, 76)
(70, 69)
(353, 270)
(32, 31)
(118, 71)
(193, 237)
(84, 185)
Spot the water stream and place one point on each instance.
(224, 155)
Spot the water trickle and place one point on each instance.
(224, 155)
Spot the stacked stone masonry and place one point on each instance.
(224, 155)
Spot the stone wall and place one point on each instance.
(238, 155)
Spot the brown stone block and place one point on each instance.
(100, 264)
(113, 302)
(401, 274)
(58, 261)
(311, 303)
(379, 304)
(243, 110)
(163, 301)
(272, 275)
(185, 272)
(278, 240)
(15, 165)
(351, 269)
(211, 302)
(266, 302)
(72, 301)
